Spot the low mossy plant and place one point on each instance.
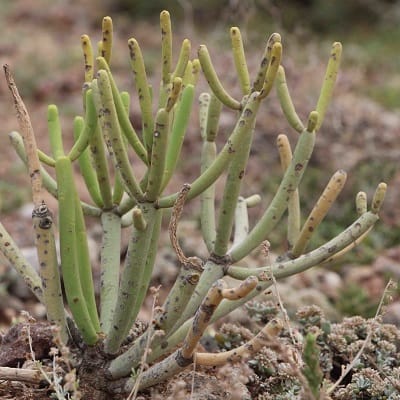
(125, 203)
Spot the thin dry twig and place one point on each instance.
(173, 225)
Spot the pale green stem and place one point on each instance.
(260, 77)
(123, 116)
(142, 88)
(82, 139)
(54, 127)
(183, 60)
(293, 224)
(214, 82)
(180, 294)
(98, 154)
(329, 82)
(44, 158)
(286, 101)
(211, 174)
(109, 265)
(240, 60)
(87, 171)
(146, 274)
(49, 272)
(236, 173)
(13, 254)
(241, 221)
(88, 57)
(279, 203)
(178, 130)
(118, 189)
(207, 198)
(272, 70)
(69, 260)
(112, 133)
(158, 155)
(131, 280)
(106, 43)
(84, 264)
(166, 46)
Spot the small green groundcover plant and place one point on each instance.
(126, 203)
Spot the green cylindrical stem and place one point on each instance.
(329, 82)
(84, 264)
(142, 88)
(98, 154)
(286, 101)
(111, 131)
(279, 203)
(183, 59)
(207, 198)
(211, 174)
(166, 46)
(13, 254)
(213, 114)
(85, 166)
(44, 158)
(158, 155)
(54, 127)
(293, 224)
(236, 173)
(109, 264)
(178, 130)
(212, 272)
(118, 189)
(81, 143)
(123, 116)
(69, 260)
(240, 60)
(213, 81)
(130, 281)
(49, 273)
(241, 221)
(178, 296)
(88, 57)
(273, 65)
(148, 268)
(106, 44)
(260, 77)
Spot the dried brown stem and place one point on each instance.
(21, 375)
(29, 138)
(173, 225)
(271, 330)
